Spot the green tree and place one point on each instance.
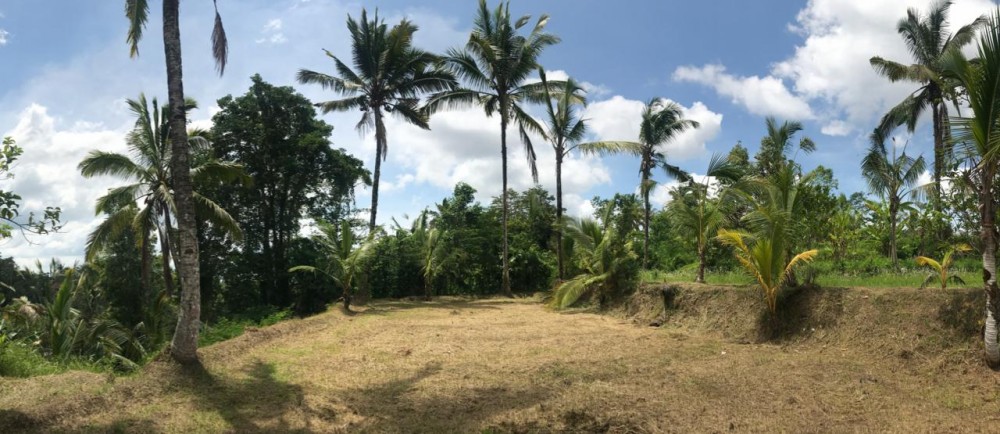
(977, 141)
(274, 134)
(343, 258)
(774, 147)
(147, 168)
(389, 76)
(607, 262)
(695, 212)
(892, 179)
(662, 121)
(10, 202)
(184, 347)
(566, 130)
(929, 42)
(496, 64)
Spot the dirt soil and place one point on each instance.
(838, 360)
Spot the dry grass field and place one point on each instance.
(840, 360)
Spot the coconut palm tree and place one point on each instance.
(692, 209)
(147, 167)
(941, 270)
(607, 262)
(977, 141)
(662, 121)
(776, 145)
(389, 76)
(184, 346)
(928, 40)
(496, 64)
(344, 259)
(892, 179)
(565, 131)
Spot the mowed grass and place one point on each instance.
(492, 366)
(903, 279)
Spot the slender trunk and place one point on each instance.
(645, 217)
(184, 347)
(147, 264)
(701, 265)
(938, 151)
(380, 145)
(168, 277)
(893, 209)
(559, 214)
(347, 299)
(505, 288)
(989, 238)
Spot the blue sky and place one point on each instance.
(65, 73)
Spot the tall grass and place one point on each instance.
(904, 279)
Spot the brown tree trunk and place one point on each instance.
(645, 217)
(505, 288)
(893, 209)
(380, 151)
(701, 265)
(184, 346)
(168, 277)
(559, 215)
(939, 154)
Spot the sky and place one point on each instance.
(65, 73)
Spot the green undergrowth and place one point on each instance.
(904, 279)
(228, 328)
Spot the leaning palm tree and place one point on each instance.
(147, 168)
(977, 142)
(929, 41)
(565, 131)
(389, 76)
(692, 209)
(496, 64)
(892, 179)
(184, 346)
(662, 121)
(344, 259)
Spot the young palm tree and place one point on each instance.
(184, 347)
(148, 169)
(775, 146)
(661, 122)
(892, 179)
(693, 210)
(941, 269)
(765, 260)
(565, 131)
(345, 257)
(389, 76)
(928, 40)
(496, 64)
(605, 261)
(977, 141)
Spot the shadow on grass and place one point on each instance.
(963, 312)
(800, 310)
(402, 405)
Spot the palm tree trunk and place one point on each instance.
(989, 237)
(701, 265)
(380, 144)
(505, 288)
(184, 346)
(559, 214)
(893, 209)
(939, 150)
(168, 277)
(645, 218)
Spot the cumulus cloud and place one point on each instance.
(272, 33)
(619, 118)
(765, 96)
(4, 37)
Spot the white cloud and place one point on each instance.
(618, 118)
(46, 175)
(4, 37)
(765, 96)
(837, 128)
(272, 33)
(840, 36)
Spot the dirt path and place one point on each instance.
(507, 366)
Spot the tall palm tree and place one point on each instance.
(977, 141)
(662, 120)
(774, 147)
(147, 167)
(184, 346)
(692, 209)
(892, 179)
(928, 41)
(496, 64)
(389, 76)
(565, 131)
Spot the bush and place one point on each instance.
(21, 360)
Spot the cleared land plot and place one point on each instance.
(514, 366)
